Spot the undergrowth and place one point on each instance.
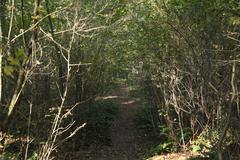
(160, 133)
(98, 116)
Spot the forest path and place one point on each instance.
(124, 144)
(126, 141)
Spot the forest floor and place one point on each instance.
(126, 141)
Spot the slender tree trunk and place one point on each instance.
(58, 53)
(1, 49)
(229, 113)
(22, 24)
(1, 53)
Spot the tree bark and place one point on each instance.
(58, 53)
(1, 46)
(229, 113)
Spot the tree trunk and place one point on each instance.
(1, 48)
(229, 113)
(1, 53)
(58, 53)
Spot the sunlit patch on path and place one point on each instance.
(106, 98)
(175, 156)
(129, 102)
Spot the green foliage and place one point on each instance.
(203, 145)
(15, 156)
(20, 54)
(165, 147)
(196, 148)
(33, 157)
(167, 144)
(9, 156)
(145, 123)
(8, 70)
(187, 134)
(14, 62)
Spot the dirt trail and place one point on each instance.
(123, 131)
(126, 143)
